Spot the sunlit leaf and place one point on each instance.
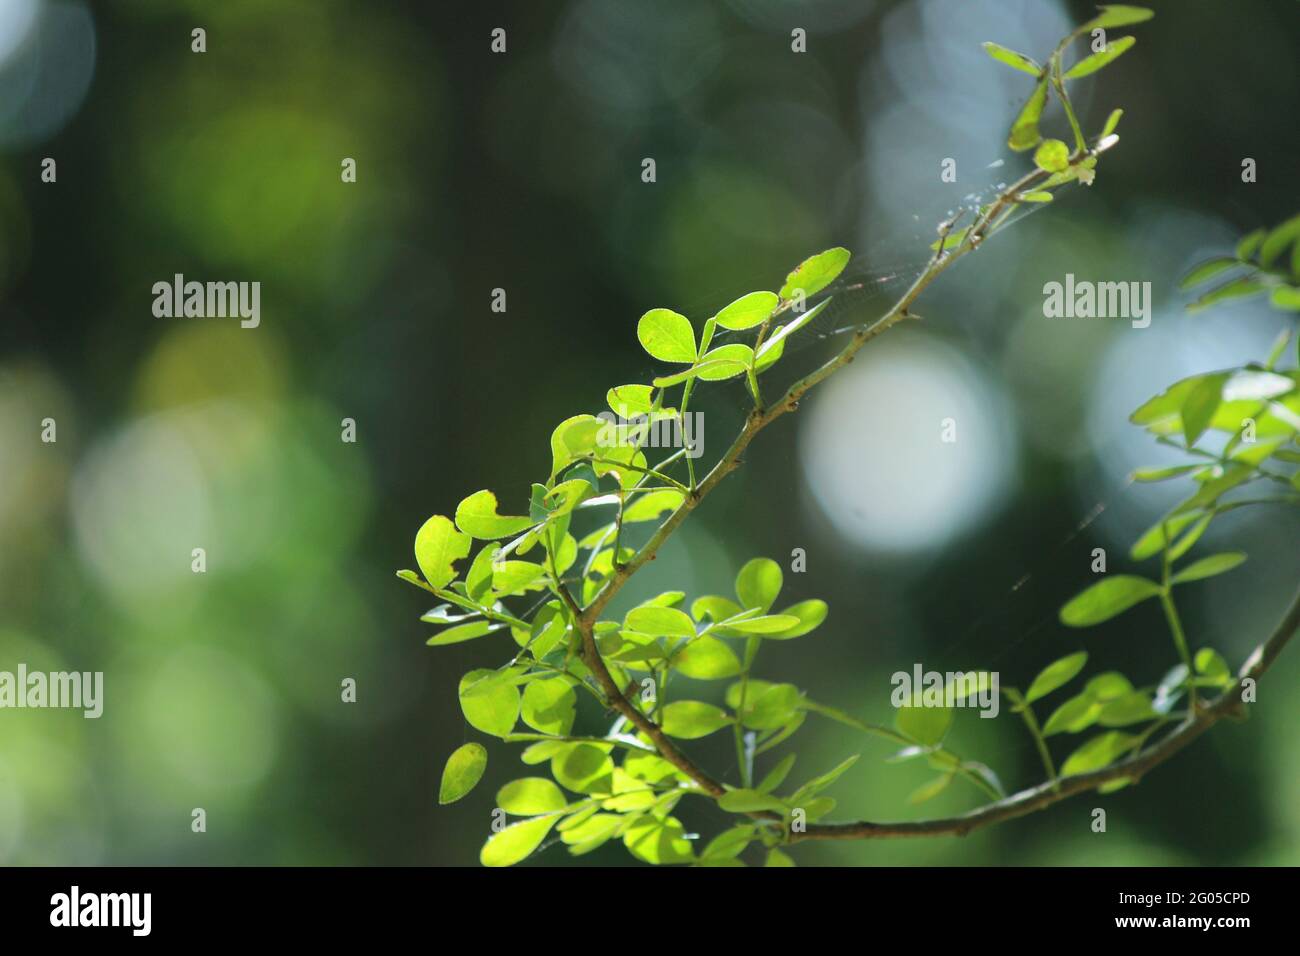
(689, 719)
(748, 311)
(1112, 595)
(758, 583)
(1091, 64)
(1013, 59)
(667, 335)
(507, 847)
(549, 706)
(1024, 131)
(1056, 674)
(1208, 567)
(815, 273)
(489, 702)
(530, 796)
(477, 516)
(462, 772)
(438, 545)
(1099, 752)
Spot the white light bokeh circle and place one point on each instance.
(16, 20)
(872, 451)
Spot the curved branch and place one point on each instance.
(1044, 795)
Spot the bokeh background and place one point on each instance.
(521, 171)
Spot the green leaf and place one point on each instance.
(630, 400)
(1093, 63)
(659, 622)
(1078, 713)
(766, 624)
(714, 607)
(1037, 196)
(1160, 474)
(516, 841)
(1277, 241)
(719, 369)
(1249, 243)
(1285, 297)
(689, 719)
(1210, 664)
(822, 781)
(707, 658)
(463, 771)
(530, 796)
(489, 702)
(1198, 411)
(725, 362)
(1131, 708)
(776, 343)
(561, 454)
(776, 776)
(463, 632)
(549, 706)
(1013, 59)
(1239, 288)
(1110, 685)
(928, 791)
(667, 335)
(1055, 675)
(1206, 271)
(438, 545)
(1208, 567)
(776, 858)
(1116, 15)
(767, 705)
(758, 583)
(658, 841)
(1112, 123)
(925, 725)
(749, 801)
(1024, 131)
(810, 615)
(584, 768)
(477, 516)
(1154, 540)
(748, 311)
(1052, 156)
(651, 505)
(815, 273)
(1110, 596)
(1099, 752)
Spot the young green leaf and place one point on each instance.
(1099, 752)
(1052, 156)
(1055, 675)
(1078, 713)
(477, 516)
(815, 273)
(689, 719)
(758, 583)
(659, 622)
(1208, 567)
(926, 725)
(529, 796)
(810, 615)
(1112, 123)
(1198, 411)
(1206, 271)
(1116, 15)
(707, 658)
(515, 842)
(1013, 59)
(1210, 664)
(549, 706)
(667, 336)
(749, 801)
(438, 545)
(1239, 288)
(489, 702)
(1110, 596)
(748, 311)
(463, 632)
(1093, 63)
(1024, 131)
(463, 770)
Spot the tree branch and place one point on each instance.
(1046, 794)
